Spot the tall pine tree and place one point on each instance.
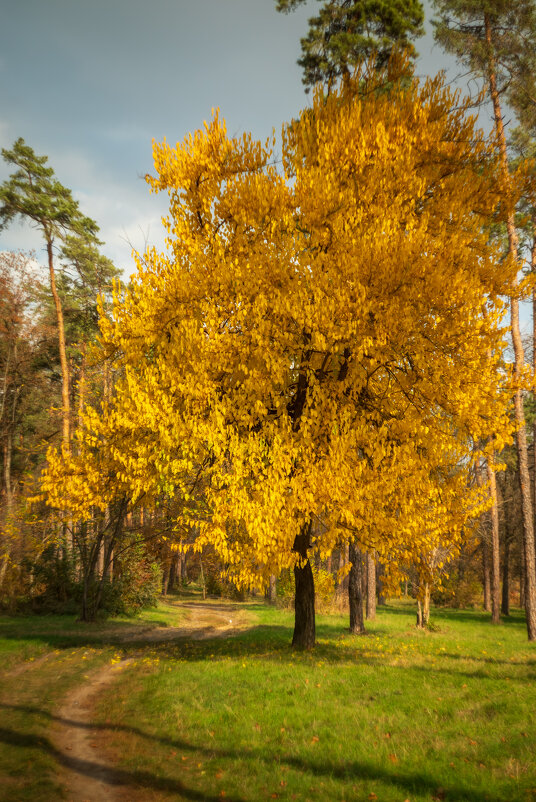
(496, 41)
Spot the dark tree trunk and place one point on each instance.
(304, 599)
(371, 588)
(172, 573)
(355, 591)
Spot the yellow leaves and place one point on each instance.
(312, 344)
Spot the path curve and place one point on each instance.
(88, 775)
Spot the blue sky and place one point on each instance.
(90, 84)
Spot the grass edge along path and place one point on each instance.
(393, 715)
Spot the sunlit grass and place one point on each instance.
(394, 715)
(397, 714)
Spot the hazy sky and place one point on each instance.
(90, 84)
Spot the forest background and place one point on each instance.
(122, 555)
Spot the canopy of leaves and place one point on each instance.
(315, 344)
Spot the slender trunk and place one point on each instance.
(370, 611)
(486, 576)
(304, 599)
(172, 573)
(8, 488)
(519, 361)
(165, 576)
(355, 591)
(203, 578)
(419, 624)
(423, 607)
(271, 590)
(65, 397)
(495, 567)
(426, 604)
(505, 601)
(379, 584)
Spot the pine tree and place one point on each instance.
(346, 32)
(496, 41)
(34, 193)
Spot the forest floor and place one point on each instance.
(205, 700)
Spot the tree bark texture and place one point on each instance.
(355, 591)
(304, 599)
(519, 360)
(370, 611)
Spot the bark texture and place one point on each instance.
(370, 611)
(355, 591)
(304, 600)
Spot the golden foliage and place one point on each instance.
(318, 341)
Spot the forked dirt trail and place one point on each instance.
(87, 775)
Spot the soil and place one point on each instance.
(89, 775)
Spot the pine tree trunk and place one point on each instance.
(304, 599)
(65, 395)
(519, 363)
(495, 567)
(355, 591)
(370, 611)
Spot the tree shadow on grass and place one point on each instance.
(350, 771)
(93, 769)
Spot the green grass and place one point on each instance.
(397, 714)
(41, 659)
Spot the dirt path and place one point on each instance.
(88, 776)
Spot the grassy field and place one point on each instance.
(396, 714)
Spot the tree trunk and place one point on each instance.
(495, 567)
(172, 573)
(379, 584)
(505, 601)
(271, 590)
(8, 449)
(519, 361)
(65, 395)
(423, 608)
(304, 599)
(486, 581)
(370, 611)
(355, 591)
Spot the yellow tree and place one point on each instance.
(313, 340)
